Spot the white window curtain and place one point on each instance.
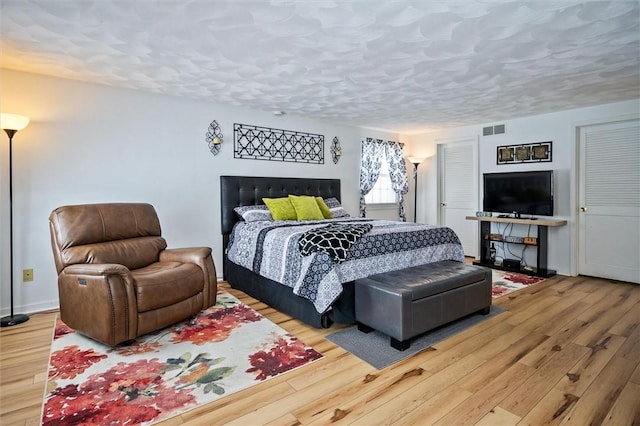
(370, 164)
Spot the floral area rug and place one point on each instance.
(506, 282)
(227, 348)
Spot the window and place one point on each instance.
(382, 192)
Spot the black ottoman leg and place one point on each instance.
(364, 328)
(400, 345)
(486, 310)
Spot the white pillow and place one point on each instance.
(253, 213)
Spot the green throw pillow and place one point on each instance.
(326, 212)
(280, 208)
(306, 207)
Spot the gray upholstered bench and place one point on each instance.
(405, 303)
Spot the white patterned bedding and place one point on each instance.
(270, 249)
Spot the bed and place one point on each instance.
(250, 275)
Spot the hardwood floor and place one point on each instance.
(567, 351)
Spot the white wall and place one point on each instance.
(558, 127)
(90, 143)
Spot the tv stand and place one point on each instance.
(541, 245)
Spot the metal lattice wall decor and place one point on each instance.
(264, 143)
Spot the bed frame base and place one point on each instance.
(282, 298)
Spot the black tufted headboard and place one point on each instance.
(249, 190)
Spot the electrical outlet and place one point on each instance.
(27, 275)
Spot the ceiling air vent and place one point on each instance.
(493, 130)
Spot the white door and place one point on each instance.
(458, 190)
(609, 217)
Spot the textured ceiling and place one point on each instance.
(400, 65)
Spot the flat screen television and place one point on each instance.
(518, 193)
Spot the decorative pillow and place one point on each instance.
(306, 207)
(336, 208)
(253, 213)
(339, 212)
(326, 213)
(281, 208)
(332, 202)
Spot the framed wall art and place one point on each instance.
(505, 154)
(525, 153)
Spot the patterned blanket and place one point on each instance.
(270, 249)
(335, 239)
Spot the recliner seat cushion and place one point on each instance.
(165, 283)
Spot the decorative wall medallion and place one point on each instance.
(264, 143)
(214, 137)
(336, 150)
(526, 153)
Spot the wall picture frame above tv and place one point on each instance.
(524, 153)
(505, 154)
(519, 193)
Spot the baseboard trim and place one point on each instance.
(32, 308)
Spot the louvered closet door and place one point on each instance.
(458, 190)
(609, 218)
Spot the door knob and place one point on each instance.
(583, 209)
(442, 204)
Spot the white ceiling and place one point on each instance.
(401, 65)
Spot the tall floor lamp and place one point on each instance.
(416, 162)
(12, 123)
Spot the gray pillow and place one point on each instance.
(336, 208)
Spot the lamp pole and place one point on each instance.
(11, 123)
(416, 162)
(415, 192)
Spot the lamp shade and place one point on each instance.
(13, 121)
(415, 160)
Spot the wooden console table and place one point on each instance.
(541, 245)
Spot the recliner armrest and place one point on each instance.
(96, 269)
(99, 300)
(201, 256)
(185, 255)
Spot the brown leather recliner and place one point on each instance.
(117, 280)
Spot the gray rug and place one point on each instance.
(374, 347)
